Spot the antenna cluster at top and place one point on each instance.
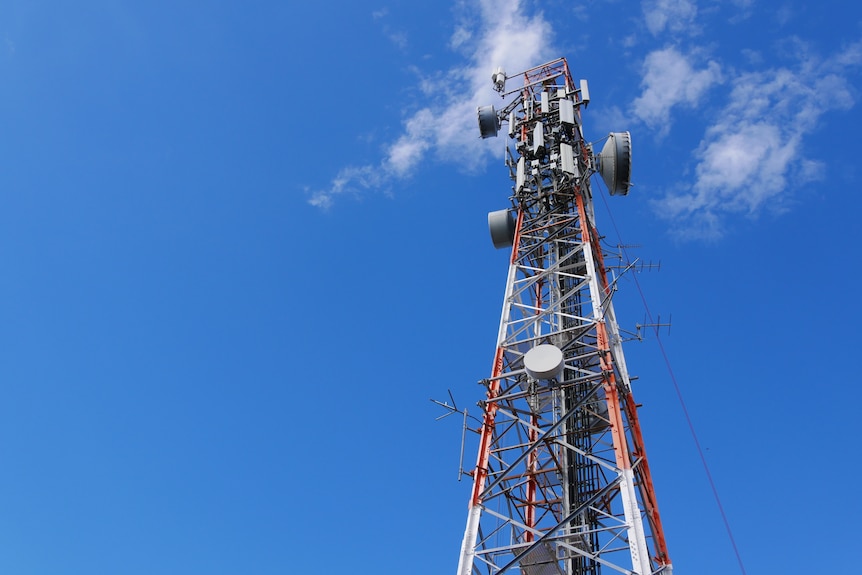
(543, 118)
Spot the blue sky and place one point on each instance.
(244, 244)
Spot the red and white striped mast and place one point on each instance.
(562, 485)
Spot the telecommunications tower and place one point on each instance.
(561, 485)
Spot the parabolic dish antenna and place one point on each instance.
(489, 124)
(615, 163)
(501, 224)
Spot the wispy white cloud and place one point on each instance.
(397, 37)
(350, 180)
(675, 16)
(670, 79)
(445, 129)
(784, 14)
(460, 37)
(752, 156)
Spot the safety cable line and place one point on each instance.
(678, 392)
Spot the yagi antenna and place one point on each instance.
(452, 409)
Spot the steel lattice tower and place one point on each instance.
(562, 485)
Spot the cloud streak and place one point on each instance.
(752, 156)
(675, 16)
(670, 80)
(445, 128)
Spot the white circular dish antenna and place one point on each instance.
(544, 361)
